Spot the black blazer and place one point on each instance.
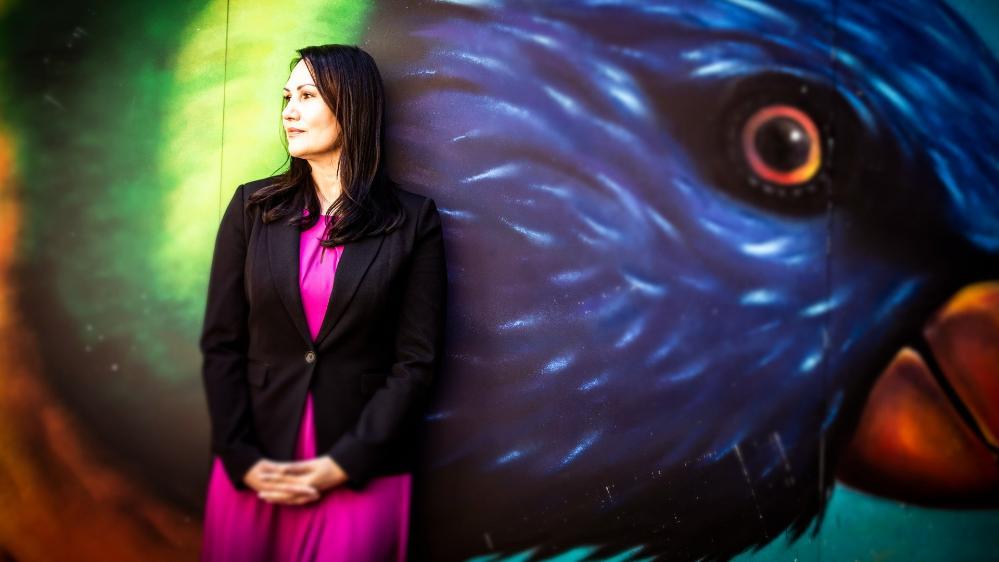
(371, 366)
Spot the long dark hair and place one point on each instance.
(349, 82)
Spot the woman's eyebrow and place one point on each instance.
(301, 85)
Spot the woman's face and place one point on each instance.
(306, 111)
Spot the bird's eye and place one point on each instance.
(775, 151)
(775, 136)
(786, 144)
(782, 145)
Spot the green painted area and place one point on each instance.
(144, 139)
(87, 111)
(222, 123)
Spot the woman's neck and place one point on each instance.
(327, 183)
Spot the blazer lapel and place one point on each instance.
(284, 250)
(355, 260)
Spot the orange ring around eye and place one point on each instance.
(800, 174)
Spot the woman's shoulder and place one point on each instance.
(253, 185)
(407, 197)
(418, 208)
(411, 200)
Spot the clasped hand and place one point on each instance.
(294, 482)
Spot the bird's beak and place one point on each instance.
(932, 438)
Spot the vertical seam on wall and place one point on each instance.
(225, 80)
(826, 335)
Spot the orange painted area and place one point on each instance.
(63, 497)
(964, 337)
(911, 443)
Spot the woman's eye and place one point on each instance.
(288, 98)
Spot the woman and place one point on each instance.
(323, 332)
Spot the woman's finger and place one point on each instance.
(291, 488)
(287, 491)
(289, 479)
(287, 497)
(297, 468)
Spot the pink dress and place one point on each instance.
(343, 525)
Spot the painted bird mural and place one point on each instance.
(705, 229)
(706, 260)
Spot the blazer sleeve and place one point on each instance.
(418, 342)
(223, 343)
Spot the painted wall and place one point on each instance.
(722, 274)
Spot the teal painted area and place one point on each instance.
(983, 16)
(579, 554)
(867, 528)
(857, 527)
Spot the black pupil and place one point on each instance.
(782, 143)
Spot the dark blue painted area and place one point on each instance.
(645, 346)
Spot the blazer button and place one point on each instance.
(310, 357)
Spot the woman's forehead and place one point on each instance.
(300, 74)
